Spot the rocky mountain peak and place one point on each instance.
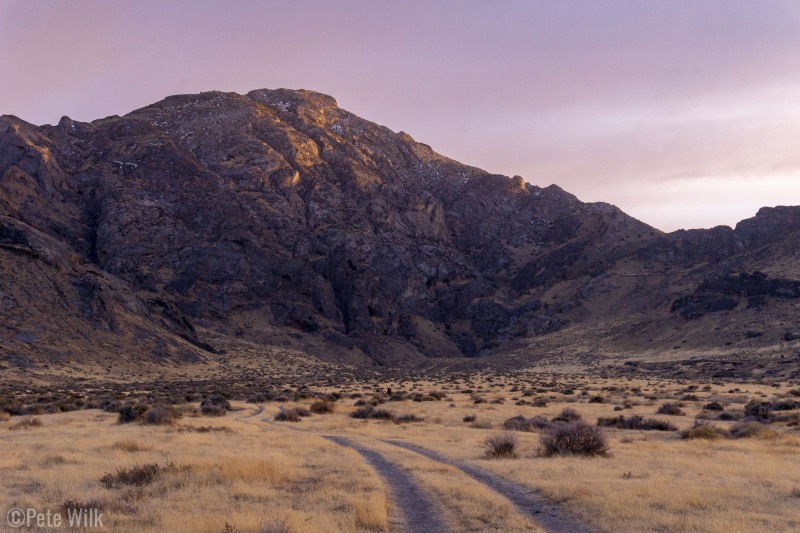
(278, 217)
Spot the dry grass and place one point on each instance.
(254, 478)
(651, 481)
(286, 477)
(464, 504)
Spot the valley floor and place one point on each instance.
(253, 469)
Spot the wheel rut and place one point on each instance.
(418, 513)
(546, 514)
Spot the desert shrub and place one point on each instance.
(136, 476)
(690, 398)
(131, 413)
(541, 401)
(436, 395)
(713, 406)
(26, 423)
(752, 430)
(481, 424)
(322, 407)
(302, 394)
(160, 415)
(469, 418)
(261, 397)
(404, 419)
(477, 399)
(215, 405)
(378, 399)
(705, 430)
(372, 413)
(567, 415)
(784, 405)
(382, 414)
(573, 438)
(760, 411)
(500, 446)
(597, 399)
(672, 409)
(362, 412)
(636, 422)
(520, 423)
(206, 429)
(290, 414)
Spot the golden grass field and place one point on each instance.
(249, 473)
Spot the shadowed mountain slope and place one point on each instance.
(280, 218)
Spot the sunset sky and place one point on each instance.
(682, 113)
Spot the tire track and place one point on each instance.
(419, 515)
(547, 514)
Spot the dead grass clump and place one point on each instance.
(481, 424)
(753, 430)
(26, 423)
(501, 446)
(207, 429)
(323, 407)
(636, 422)
(573, 438)
(136, 476)
(130, 446)
(705, 430)
(407, 418)
(53, 460)
(672, 409)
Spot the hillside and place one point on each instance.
(277, 218)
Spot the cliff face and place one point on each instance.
(279, 217)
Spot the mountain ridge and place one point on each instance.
(278, 217)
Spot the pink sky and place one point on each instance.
(684, 114)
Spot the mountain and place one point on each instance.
(278, 218)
